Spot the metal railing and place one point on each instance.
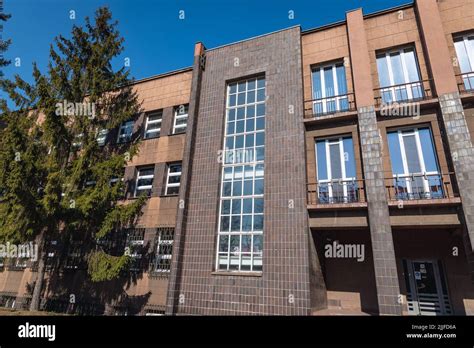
(419, 186)
(329, 105)
(403, 93)
(465, 82)
(336, 191)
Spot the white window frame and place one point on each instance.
(345, 179)
(102, 136)
(171, 174)
(468, 41)
(393, 87)
(149, 176)
(161, 242)
(256, 258)
(407, 175)
(337, 98)
(157, 121)
(177, 117)
(124, 138)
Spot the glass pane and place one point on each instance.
(349, 160)
(341, 80)
(395, 153)
(317, 89)
(411, 65)
(411, 154)
(321, 160)
(335, 154)
(329, 82)
(427, 147)
(397, 69)
(382, 68)
(463, 56)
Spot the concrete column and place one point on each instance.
(454, 121)
(385, 266)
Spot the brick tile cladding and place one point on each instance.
(285, 248)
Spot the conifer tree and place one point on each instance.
(74, 183)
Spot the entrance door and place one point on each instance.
(427, 291)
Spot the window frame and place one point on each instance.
(178, 117)
(139, 177)
(407, 175)
(337, 98)
(127, 138)
(393, 87)
(467, 40)
(159, 242)
(255, 258)
(148, 123)
(171, 174)
(345, 180)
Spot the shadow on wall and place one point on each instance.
(350, 283)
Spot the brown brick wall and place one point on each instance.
(322, 47)
(391, 30)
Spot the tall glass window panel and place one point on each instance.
(399, 76)
(465, 52)
(329, 89)
(336, 170)
(414, 164)
(240, 226)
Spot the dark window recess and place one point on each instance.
(135, 248)
(163, 251)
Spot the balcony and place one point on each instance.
(338, 191)
(403, 93)
(315, 108)
(465, 82)
(420, 186)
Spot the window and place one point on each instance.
(180, 119)
(163, 250)
(75, 257)
(144, 182)
(329, 89)
(125, 132)
(173, 179)
(240, 227)
(77, 142)
(336, 170)
(465, 52)
(153, 124)
(102, 136)
(399, 76)
(135, 248)
(414, 164)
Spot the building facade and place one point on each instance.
(327, 171)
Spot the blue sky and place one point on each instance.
(156, 39)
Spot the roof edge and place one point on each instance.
(370, 15)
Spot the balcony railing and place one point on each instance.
(420, 186)
(335, 191)
(466, 82)
(403, 93)
(329, 105)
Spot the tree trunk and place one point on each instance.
(36, 297)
